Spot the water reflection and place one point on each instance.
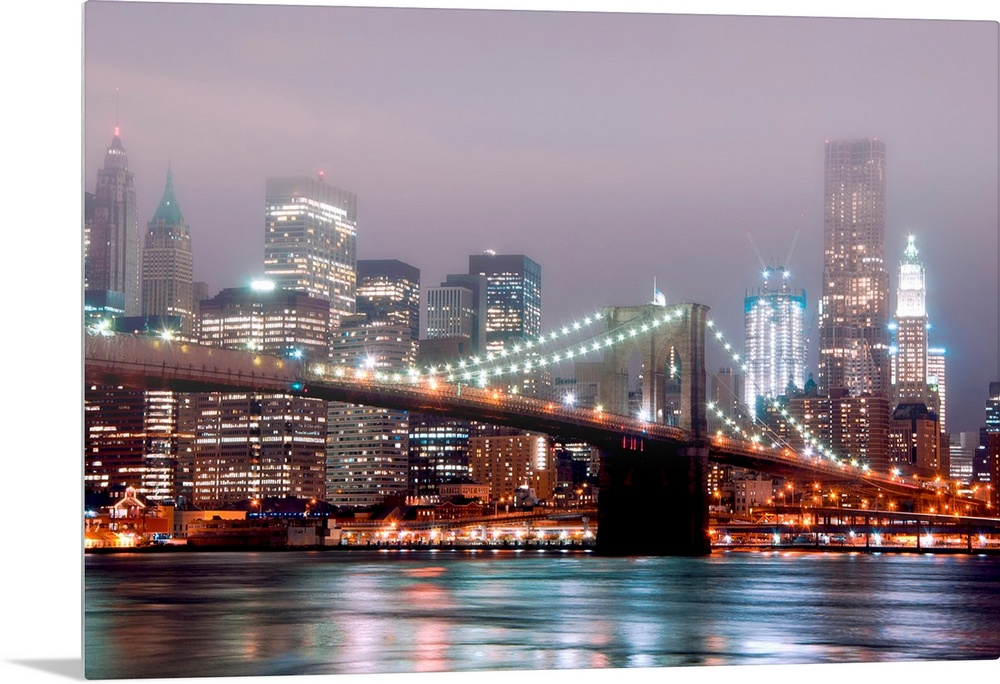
(204, 614)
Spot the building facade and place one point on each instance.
(310, 241)
(367, 454)
(915, 441)
(112, 260)
(510, 462)
(267, 319)
(168, 264)
(130, 441)
(513, 297)
(252, 445)
(937, 384)
(911, 371)
(854, 313)
(438, 453)
(388, 292)
(249, 445)
(774, 334)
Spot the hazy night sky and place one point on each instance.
(610, 148)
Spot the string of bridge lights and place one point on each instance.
(494, 366)
(809, 438)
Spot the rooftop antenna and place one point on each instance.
(116, 111)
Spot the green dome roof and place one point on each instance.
(168, 211)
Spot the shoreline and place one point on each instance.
(565, 548)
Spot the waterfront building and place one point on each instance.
(508, 463)
(750, 490)
(853, 312)
(310, 241)
(774, 334)
(367, 457)
(112, 259)
(168, 264)
(254, 445)
(248, 445)
(367, 453)
(129, 442)
(438, 453)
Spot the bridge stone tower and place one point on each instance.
(673, 366)
(654, 501)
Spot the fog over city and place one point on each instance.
(611, 148)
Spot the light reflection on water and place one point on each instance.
(280, 613)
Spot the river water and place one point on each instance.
(348, 612)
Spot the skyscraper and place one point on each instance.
(911, 330)
(367, 447)
(388, 291)
(266, 319)
(113, 262)
(854, 313)
(775, 338)
(513, 297)
(310, 241)
(252, 444)
(168, 264)
(937, 383)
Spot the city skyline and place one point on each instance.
(451, 148)
(46, 592)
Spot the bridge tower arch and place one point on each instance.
(673, 361)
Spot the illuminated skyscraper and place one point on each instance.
(310, 241)
(167, 263)
(775, 338)
(266, 319)
(251, 444)
(88, 226)
(911, 330)
(937, 383)
(112, 260)
(389, 292)
(854, 308)
(367, 447)
(513, 297)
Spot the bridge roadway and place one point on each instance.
(145, 362)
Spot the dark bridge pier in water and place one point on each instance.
(654, 502)
(654, 495)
